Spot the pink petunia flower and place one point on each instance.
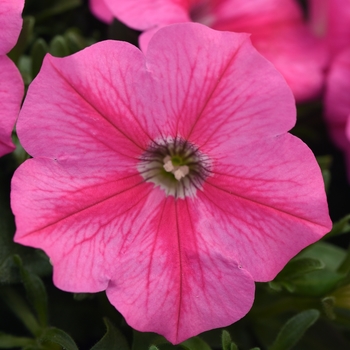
(167, 179)
(278, 29)
(330, 20)
(11, 84)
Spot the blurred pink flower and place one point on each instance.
(167, 179)
(330, 20)
(278, 30)
(337, 103)
(11, 84)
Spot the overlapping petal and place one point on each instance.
(176, 266)
(11, 92)
(11, 23)
(11, 84)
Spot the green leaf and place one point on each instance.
(142, 340)
(36, 292)
(299, 267)
(226, 341)
(25, 67)
(294, 329)
(276, 286)
(83, 296)
(75, 40)
(59, 46)
(340, 227)
(318, 283)
(38, 52)
(112, 340)
(57, 336)
(153, 347)
(296, 269)
(195, 343)
(328, 306)
(327, 177)
(345, 265)
(8, 341)
(325, 163)
(329, 254)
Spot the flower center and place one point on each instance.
(175, 165)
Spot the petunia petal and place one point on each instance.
(266, 201)
(11, 93)
(11, 23)
(181, 284)
(92, 105)
(77, 217)
(217, 91)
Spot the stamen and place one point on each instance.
(181, 172)
(168, 164)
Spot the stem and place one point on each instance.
(20, 308)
